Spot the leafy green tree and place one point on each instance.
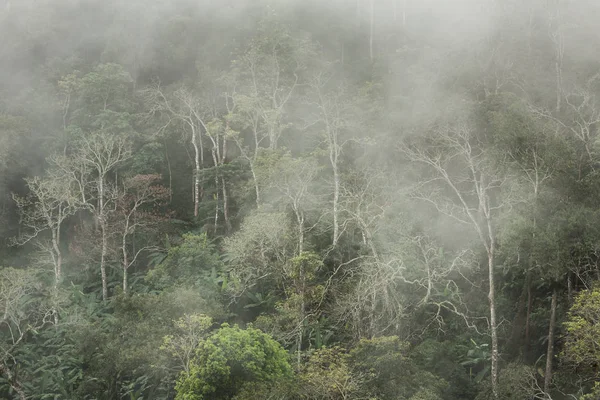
(230, 358)
(391, 374)
(194, 262)
(121, 342)
(328, 374)
(583, 332)
(301, 307)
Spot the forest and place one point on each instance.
(300, 200)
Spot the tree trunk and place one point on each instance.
(302, 312)
(103, 254)
(170, 174)
(372, 326)
(301, 237)
(101, 192)
(197, 169)
(336, 199)
(224, 187)
(493, 323)
(256, 188)
(550, 351)
(226, 206)
(300, 221)
(13, 382)
(58, 255)
(57, 265)
(216, 163)
(125, 259)
(125, 283)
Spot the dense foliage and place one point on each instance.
(280, 199)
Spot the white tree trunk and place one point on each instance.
(336, 200)
(493, 323)
(103, 255)
(226, 206)
(125, 255)
(197, 168)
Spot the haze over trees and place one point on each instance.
(280, 199)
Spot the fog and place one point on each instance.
(315, 196)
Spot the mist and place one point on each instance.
(299, 199)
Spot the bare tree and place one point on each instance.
(334, 116)
(200, 115)
(176, 109)
(138, 192)
(269, 74)
(293, 179)
(95, 158)
(458, 160)
(363, 202)
(244, 112)
(48, 205)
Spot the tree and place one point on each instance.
(102, 153)
(583, 332)
(388, 372)
(161, 105)
(328, 375)
(292, 184)
(266, 77)
(191, 330)
(257, 252)
(335, 117)
(229, 359)
(49, 204)
(138, 193)
(193, 263)
(475, 197)
(198, 113)
(303, 296)
(25, 311)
